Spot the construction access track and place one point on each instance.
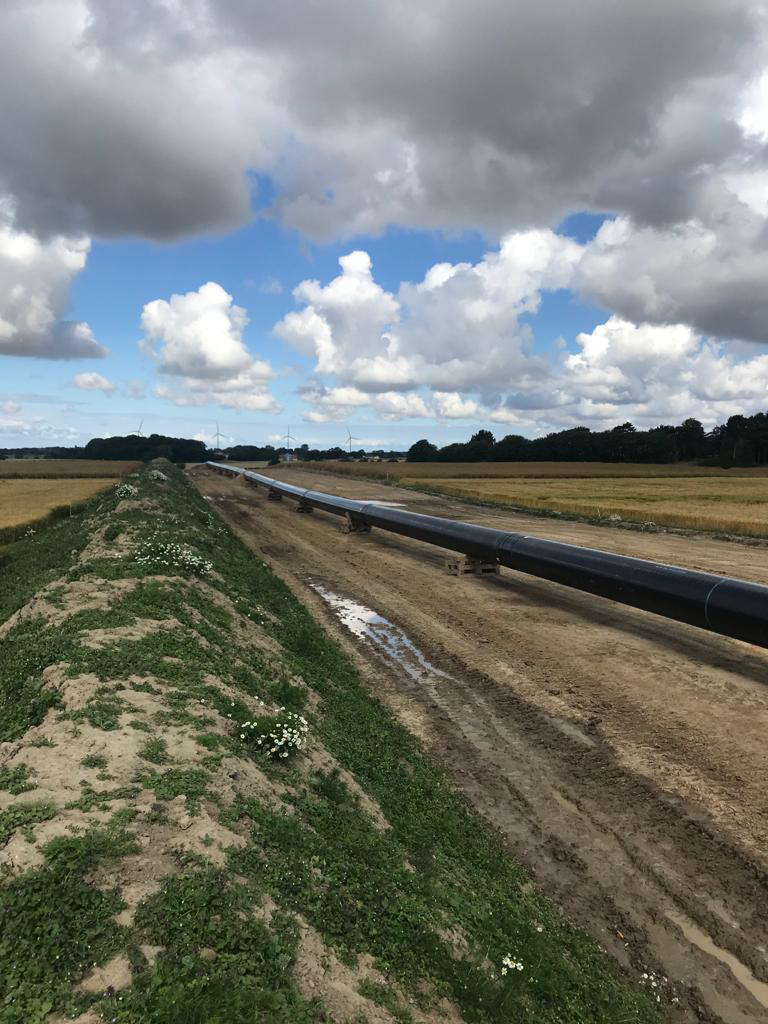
(623, 756)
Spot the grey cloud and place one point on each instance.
(66, 340)
(492, 115)
(95, 144)
(148, 119)
(708, 273)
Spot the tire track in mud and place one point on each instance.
(643, 826)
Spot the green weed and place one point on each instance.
(16, 780)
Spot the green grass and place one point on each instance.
(55, 926)
(94, 761)
(393, 895)
(156, 751)
(191, 783)
(22, 815)
(16, 780)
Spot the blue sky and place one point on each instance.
(519, 217)
(259, 266)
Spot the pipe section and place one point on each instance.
(720, 604)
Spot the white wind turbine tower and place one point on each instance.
(137, 432)
(350, 439)
(288, 437)
(218, 435)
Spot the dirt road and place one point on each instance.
(623, 756)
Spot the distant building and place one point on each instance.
(287, 457)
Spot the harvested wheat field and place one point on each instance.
(728, 505)
(25, 501)
(482, 470)
(53, 469)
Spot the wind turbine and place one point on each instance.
(288, 437)
(350, 439)
(137, 433)
(218, 435)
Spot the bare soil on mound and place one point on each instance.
(623, 756)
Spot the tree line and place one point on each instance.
(133, 448)
(741, 441)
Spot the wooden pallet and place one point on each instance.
(353, 524)
(464, 565)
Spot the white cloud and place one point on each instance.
(458, 329)
(162, 115)
(198, 334)
(34, 295)
(10, 408)
(199, 338)
(462, 323)
(450, 405)
(316, 416)
(648, 373)
(93, 382)
(135, 389)
(36, 431)
(394, 405)
(271, 286)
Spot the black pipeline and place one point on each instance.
(720, 604)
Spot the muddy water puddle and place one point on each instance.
(742, 973)
(387, 638)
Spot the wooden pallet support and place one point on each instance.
(304, 506)
(466, 565)
(354, 524)
(273, 495)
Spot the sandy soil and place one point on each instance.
(623, 756)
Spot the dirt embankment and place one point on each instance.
(623, 756)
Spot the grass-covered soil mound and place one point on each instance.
(205, 817)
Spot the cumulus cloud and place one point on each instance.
(93, 382)
(161, 116)
(450, 405)
(710, 273)
(394, 354)
(199, 337)
(394, 405)
(35, 431)
(34, 295)
(458, 329)
(650, 373)
(10, 408)
(198, 334)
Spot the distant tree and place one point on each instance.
(142, 449)
(691, 439)
(480, 446)
(512, 448)
(422, 451)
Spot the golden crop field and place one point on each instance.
(560, 470)
(25, 501)
(727, 503)
(54, 469)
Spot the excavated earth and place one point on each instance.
(623, 756)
